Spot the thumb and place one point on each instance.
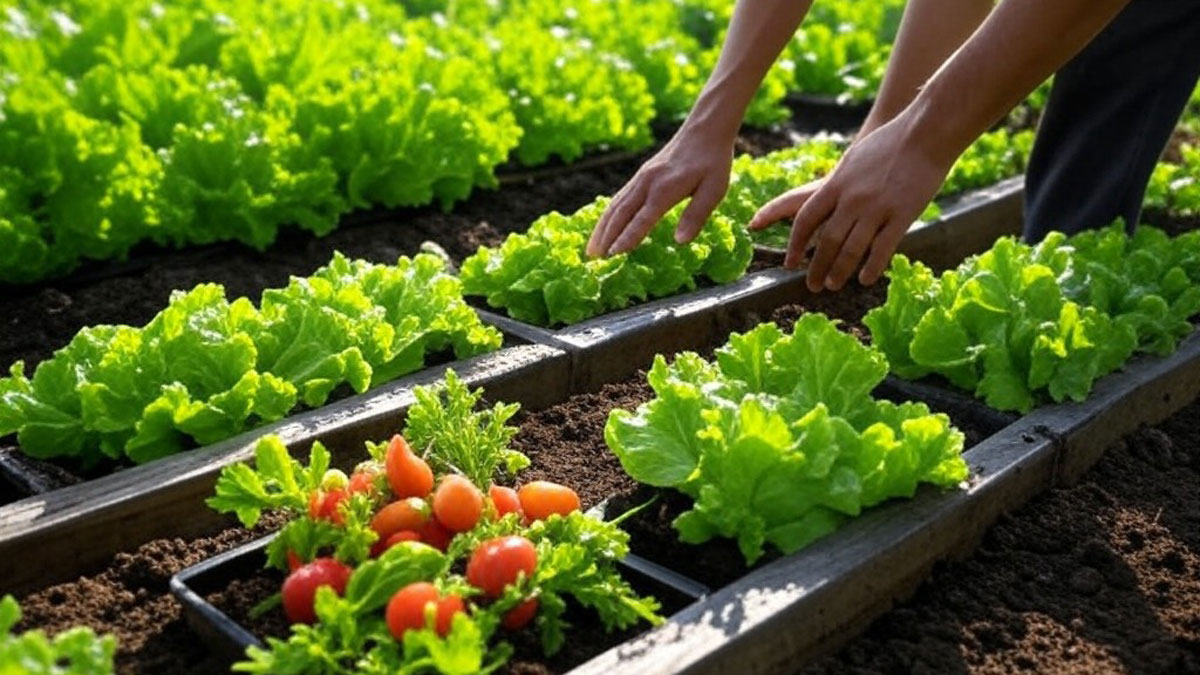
(783, 207)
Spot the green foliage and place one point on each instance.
(577, 557)
(543, 276)
(77, 651)
(842, 48)
(1018, 321)
(205, 369)
(778, 441)
(445, 428)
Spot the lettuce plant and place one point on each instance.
(206, 368)
(544, 277)
(77, 651)
(778, 440)
(1017, 322)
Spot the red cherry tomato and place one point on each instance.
(326, 505)
(518, 617)
(407, 474)
(406, 610)
(362, 481)
(300, 587)
(498, 562)
(293, 561)
(384, 544)
(505, 500)
(436, 535)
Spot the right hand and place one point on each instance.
(694, 163)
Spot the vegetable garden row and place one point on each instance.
(467, 469)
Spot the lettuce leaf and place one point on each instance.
(1017, 322)
(544, 277)
(779, 440)
(205, 369)
(77, 651)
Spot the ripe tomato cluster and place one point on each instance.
(421, 512)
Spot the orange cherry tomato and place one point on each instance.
(505, 500)
(406, 610)
(407, 474)
(499, 562)
(457, 503)
(542, 499)
(403, 514)
(326, 505)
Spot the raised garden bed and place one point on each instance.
(120, 511)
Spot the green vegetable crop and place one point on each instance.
(1017, 320)
(77, 651)
(206, 368)
(778, 441)
(544, 277)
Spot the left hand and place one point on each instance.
(863, 208)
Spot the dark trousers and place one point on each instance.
(1110, 114)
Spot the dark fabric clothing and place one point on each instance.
(1111, 111)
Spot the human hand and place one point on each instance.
(694, 163)
(863, 208)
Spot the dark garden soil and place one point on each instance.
(42, 318)
(130, 597)
(1101, 577)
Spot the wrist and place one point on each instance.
(932, 130)
(713, 118)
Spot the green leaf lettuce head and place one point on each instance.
(778, 441)
(205, 369)
(76, 651)
(544, 277)
(1018, 322)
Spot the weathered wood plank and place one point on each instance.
(797, 607)
(65, 533)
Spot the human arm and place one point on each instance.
(695, 162)
(930, 32)
(887, 178)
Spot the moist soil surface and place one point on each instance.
(44, 317)
(130, 596)
(1101, 577)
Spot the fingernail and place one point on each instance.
(831, 285)
(680, 237)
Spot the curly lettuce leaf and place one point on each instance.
(544, 277)
(779, 440)
(205, 369)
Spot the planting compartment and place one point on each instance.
(794, 608)
(40, 535)
(226, 636)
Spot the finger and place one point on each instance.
(780, 208)
(851, 254)
(833, 233)
(882, 249)
(615, 219)
(646, 218)
(808, 218)
(696, 213)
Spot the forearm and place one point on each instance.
(930, 31)
(1021, 44)
(758, 32)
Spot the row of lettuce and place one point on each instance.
(199, 121)
(207, 367)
